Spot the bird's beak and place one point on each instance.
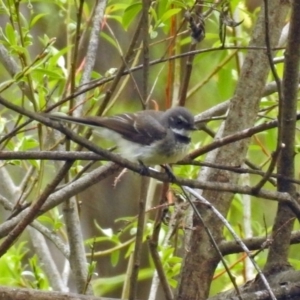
(193, 128)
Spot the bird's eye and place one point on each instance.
(179, 122)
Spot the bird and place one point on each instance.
(149, 137)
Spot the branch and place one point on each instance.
(33, 211)
(77, 256)
(92, 49)
(196, 278)
(151, 173)
(202, 200)
(14, 293)
(221, 108)
(282, 292)
(61, 195)
(278, 254)
(122, 71)
(46, 260)
(254, 243)
(246, 133)
(137, 254)
(13, 68)
(91, 156)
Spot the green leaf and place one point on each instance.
(28, 40)
(167, 15)
(10, 34)
(114, 257)
(46, 220)
(109, 39)
(116, 7)
(154, 15)
(19, 49)
(130, 14)
(102, 286)
(162, 7)
(34, 20)
(116, 18)
(51, 74)
(172, 283)
(26, 143)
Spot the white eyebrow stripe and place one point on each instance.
(183, 118)
(182, 132)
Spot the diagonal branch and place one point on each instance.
(34, 209)
(279, 249)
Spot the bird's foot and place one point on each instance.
(144, 171)
(169, 172)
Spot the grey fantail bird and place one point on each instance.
(149, 136)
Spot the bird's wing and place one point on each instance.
(142, 127)
(131, 126)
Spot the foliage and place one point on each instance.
(49, 48)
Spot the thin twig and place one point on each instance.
(236, 238)
(279, 249)
(138, 240)
(270, 170)
(209, 233)
(137, 168)
(145, 30)
(75, 45)
(253, 243)
(246, 133)
(92, 157)
(34, 209)
(160, 270)
(99, 82)
(116, 78)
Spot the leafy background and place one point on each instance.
(39, 36)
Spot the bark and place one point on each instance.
(21, 294)
(284, 220)
(201, 259)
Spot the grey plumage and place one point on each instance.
(153, 137)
